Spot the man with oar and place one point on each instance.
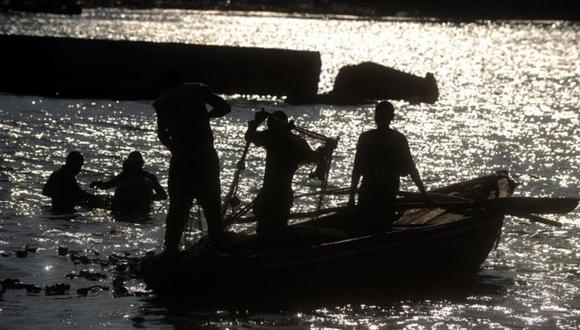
(285, 151)
(382, 157)
(183, 127)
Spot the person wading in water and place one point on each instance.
(382, 157)
(136, 189)
(63, 189)
(183, 127)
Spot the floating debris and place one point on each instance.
(62, 251)
(13, 283)
(94, 288)
(57, 289)
(119, 289)
(31, 288)
(16, 284)
(30, 249)
(21, 254)
(89, 275)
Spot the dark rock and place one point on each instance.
(370, 80)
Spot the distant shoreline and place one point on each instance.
(447, 10)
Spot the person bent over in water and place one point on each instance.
(382, 157)
(136, 189)
(183, 127)
(62, 186)
(285, 151)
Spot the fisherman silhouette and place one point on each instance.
(136, 189)
(285, 151)
(183, 127)
(382, 157)
(62, 186)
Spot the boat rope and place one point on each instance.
(309, 133)
(240, 166)
(238, 215)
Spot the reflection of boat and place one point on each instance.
(64, 7)
(423, 242)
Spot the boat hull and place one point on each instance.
(408, 252)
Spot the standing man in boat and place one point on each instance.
(62, 186)
(382, 157)
(183, 127)
(285, 151)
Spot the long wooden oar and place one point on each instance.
(528, 205)
(537, 218)
(507, 205)
(516, 206)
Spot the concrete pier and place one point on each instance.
(83, 68)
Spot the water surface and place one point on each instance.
(509, 100)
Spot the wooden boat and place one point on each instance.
(424, 242)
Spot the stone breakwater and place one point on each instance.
(129, 70)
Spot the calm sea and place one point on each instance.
(510, 95)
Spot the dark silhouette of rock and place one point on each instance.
(370, 80)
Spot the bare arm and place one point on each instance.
(417, 180)
(356, 173)
(160, 193)
(107, 184)
(163, 132)
(47, 188)
(414, 173)
(252, 135)
(220, 107)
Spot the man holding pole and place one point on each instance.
(183, 127)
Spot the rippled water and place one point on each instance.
(509, 100)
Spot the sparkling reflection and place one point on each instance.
(509, 101)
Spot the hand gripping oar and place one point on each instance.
(240, 166)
